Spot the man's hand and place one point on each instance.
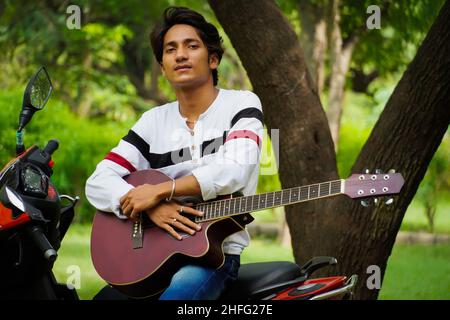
(139, 199)
(167, 215)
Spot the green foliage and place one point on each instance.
(83, 143)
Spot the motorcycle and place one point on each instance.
(33, 219)
(33, 223)
(276, 280)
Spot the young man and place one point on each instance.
(208, 141)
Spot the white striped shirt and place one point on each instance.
(222, 151)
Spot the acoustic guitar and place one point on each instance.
(139, 258)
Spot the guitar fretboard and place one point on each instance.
(228, 207)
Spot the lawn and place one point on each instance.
(413, 272)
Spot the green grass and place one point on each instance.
(75, 252)
(417, 272)
(413, 272)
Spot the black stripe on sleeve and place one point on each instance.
(140, 144)
(248, 113)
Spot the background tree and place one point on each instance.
(340, 48)
(405, 137)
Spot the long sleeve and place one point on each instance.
(105, 186)
(236, 165)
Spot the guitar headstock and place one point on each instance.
(370, 185)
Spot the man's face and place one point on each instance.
(185, 60)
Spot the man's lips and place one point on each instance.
(182, 67)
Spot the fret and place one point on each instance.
(285, 199)
(304, 193)
(277, 197)
(208, 210)
(259, 202)
(253, 196)
(227, 206)
(220, 208)
(313, 191)
(296, 194)
(329, 188)
(242, 208)
(290, 195)
(215, 210)
(323, 189)
(265, 203)
(234, 205)
(336, 186)
(239, 204)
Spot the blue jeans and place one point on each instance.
(197, 282)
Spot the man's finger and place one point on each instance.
(125, 197)
(128, 209)
(193, 211)
(187, 222)
(171, 231)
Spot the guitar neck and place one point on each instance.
(233, 206)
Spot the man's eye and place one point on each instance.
(170, 50)
(193, 46)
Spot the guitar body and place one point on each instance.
(147, 270)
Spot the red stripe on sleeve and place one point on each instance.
(243, 134)
(114, 157)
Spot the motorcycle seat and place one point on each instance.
(253, 277)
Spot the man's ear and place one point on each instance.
(213, 61)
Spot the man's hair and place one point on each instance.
(181, 15)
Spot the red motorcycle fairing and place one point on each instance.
(7, 221)
(311, 288)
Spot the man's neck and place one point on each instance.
(194, 101)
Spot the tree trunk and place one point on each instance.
(313, 39)
(340, 57)
(405, 137)
(270, 52)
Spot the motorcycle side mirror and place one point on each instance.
(35, 97)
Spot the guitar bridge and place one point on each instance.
(137, 234)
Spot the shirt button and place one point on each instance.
(192, 132)
(194, 161)
(193, 147)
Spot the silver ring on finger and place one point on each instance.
(181, 209)
(174, 220)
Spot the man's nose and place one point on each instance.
(181, 55)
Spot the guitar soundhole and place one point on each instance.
(183, 235)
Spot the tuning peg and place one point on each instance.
(367, 171)
(378, 171)
(375, 201)
(365, 202)
(391, 171)
(389, 201)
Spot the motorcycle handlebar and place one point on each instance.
(39, 238)
(51, 146)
